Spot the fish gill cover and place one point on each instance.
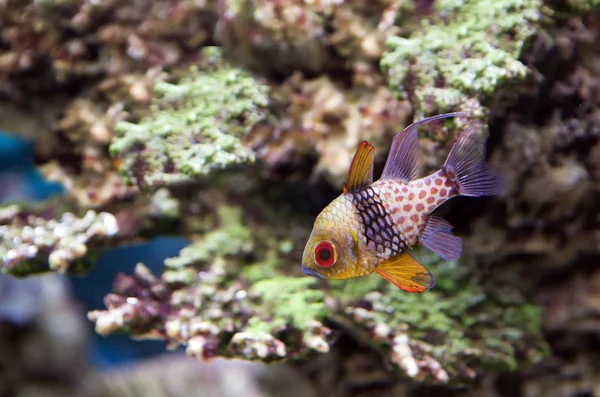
(237, 291)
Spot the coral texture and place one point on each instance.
(214, 311)
(30, 243)
(194, 128)
(134, 109)
(465, 52)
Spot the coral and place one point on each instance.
(300, 35)
(323, 116)
(103, 186)
(584, 5)
(231, 238)
(467, 49)
(210, 311)
(461, 55)
(553, 150)
(213, 316)
(114, 52)
(448, 334)
(79, 39)
(194, 128)
(545, 227)
(87, 76)
(31, 243)
(78, 68)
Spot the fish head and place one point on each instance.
(332, 248)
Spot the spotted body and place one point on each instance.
(403, 211)
(371, 226)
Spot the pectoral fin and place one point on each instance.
(406, 273)
(361, 169)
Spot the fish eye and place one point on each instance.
(325, 254)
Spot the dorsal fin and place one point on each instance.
(404, 159)
(361, 169)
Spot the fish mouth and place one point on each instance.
(309, 272)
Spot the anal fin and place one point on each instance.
(406, 273)
(438, 237)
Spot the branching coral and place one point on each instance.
(31, 243)
(213, 312)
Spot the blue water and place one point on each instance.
(20, 180)
(91, 288)
(18, 173)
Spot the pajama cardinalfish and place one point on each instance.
(371, 226)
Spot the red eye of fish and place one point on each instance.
(324, 254)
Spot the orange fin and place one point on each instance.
(361, 169)
(406, 273)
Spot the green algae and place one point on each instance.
(232, 238)
(213, 309)
(235, 288)
(467, 49)
(235, 284)
(292, 300)
(584, 5)
(284, 300)
(268, 266)
(164, 205)
(194, 127)
(460, 322)
(257, 327)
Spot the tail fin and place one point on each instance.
(466, 166)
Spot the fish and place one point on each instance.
(372, 226)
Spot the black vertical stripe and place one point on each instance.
(378, 227)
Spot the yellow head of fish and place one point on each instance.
(332, 249)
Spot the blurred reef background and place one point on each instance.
(162, 162)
